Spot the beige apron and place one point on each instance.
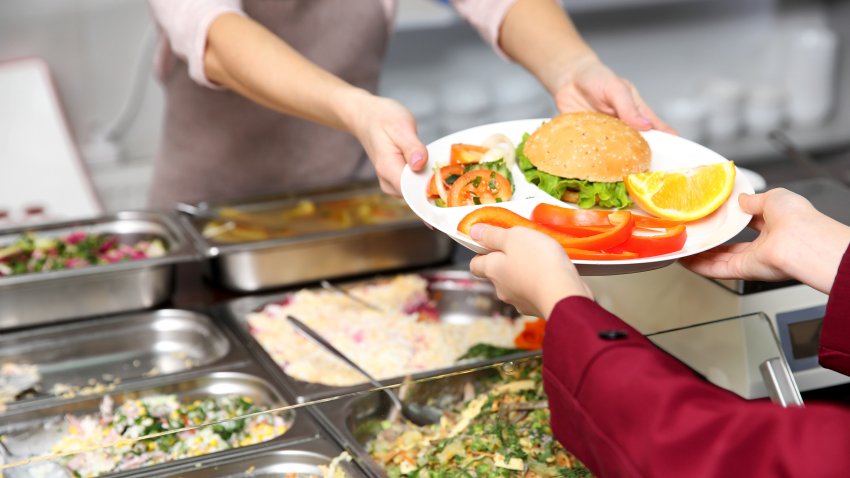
(218, 145)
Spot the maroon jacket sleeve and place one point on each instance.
(627, 409)
(834, 350)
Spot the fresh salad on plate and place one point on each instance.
(475, 175)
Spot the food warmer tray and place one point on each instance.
(298, 460)
(31, 432)
(248, 266)
(348, 419)
(98, 355)
(41, 297)
(458, 293)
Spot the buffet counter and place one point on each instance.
(152, 387)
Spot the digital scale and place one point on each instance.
(674, 297)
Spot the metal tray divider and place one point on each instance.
(237, 356)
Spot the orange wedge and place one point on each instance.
(683, 194)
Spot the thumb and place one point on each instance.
(405, 138)
(752, 203)
(491, 237)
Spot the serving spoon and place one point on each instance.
(328, 286)
(420, 415)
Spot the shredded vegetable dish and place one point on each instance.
(159, 413)
(405, 337)
(32, 253)
(501, 432)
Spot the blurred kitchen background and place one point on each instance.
(724, 72)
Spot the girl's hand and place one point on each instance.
(529, 269)
(795, 241)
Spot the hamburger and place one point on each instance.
(583, 158)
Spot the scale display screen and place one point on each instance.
(805, 337)
(799, 333)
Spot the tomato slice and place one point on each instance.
(562, 217)
(504, 218)
(445, 172)
(466, 153)
(479, 186)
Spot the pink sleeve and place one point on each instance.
(835, 335)
(487, 16)
(625, 408)
(186, 24)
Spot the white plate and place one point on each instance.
(668, 152)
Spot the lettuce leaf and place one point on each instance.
(608, 194)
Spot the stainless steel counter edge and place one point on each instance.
(322, 444)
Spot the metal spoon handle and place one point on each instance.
(328, 286)
(330, 348)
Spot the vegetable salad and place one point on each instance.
(501, 432)
(32, 253)
(136, 418)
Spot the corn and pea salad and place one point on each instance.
(160, 413)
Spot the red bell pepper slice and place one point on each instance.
(504, 218)
(649, 245)
(561, 217)
(531, 337)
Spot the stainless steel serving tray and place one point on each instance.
(41, 297)
(296, 461)
(32, 432)
(459, 296)
(348, 419)
(119, 351)
(256, 265)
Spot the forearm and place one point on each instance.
(542, 38)
(245, 57)
(815, 254)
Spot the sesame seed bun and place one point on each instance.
(590, 146)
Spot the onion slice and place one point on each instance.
(441, 188)
(501, 147)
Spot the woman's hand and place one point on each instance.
(529, 269)
(794, 241)
(590, 85)
(387, 131)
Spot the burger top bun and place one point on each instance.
(590, 146)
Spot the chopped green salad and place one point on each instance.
(156, 414)
(501, 432)
(32, 253)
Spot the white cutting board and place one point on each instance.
(39, 162)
